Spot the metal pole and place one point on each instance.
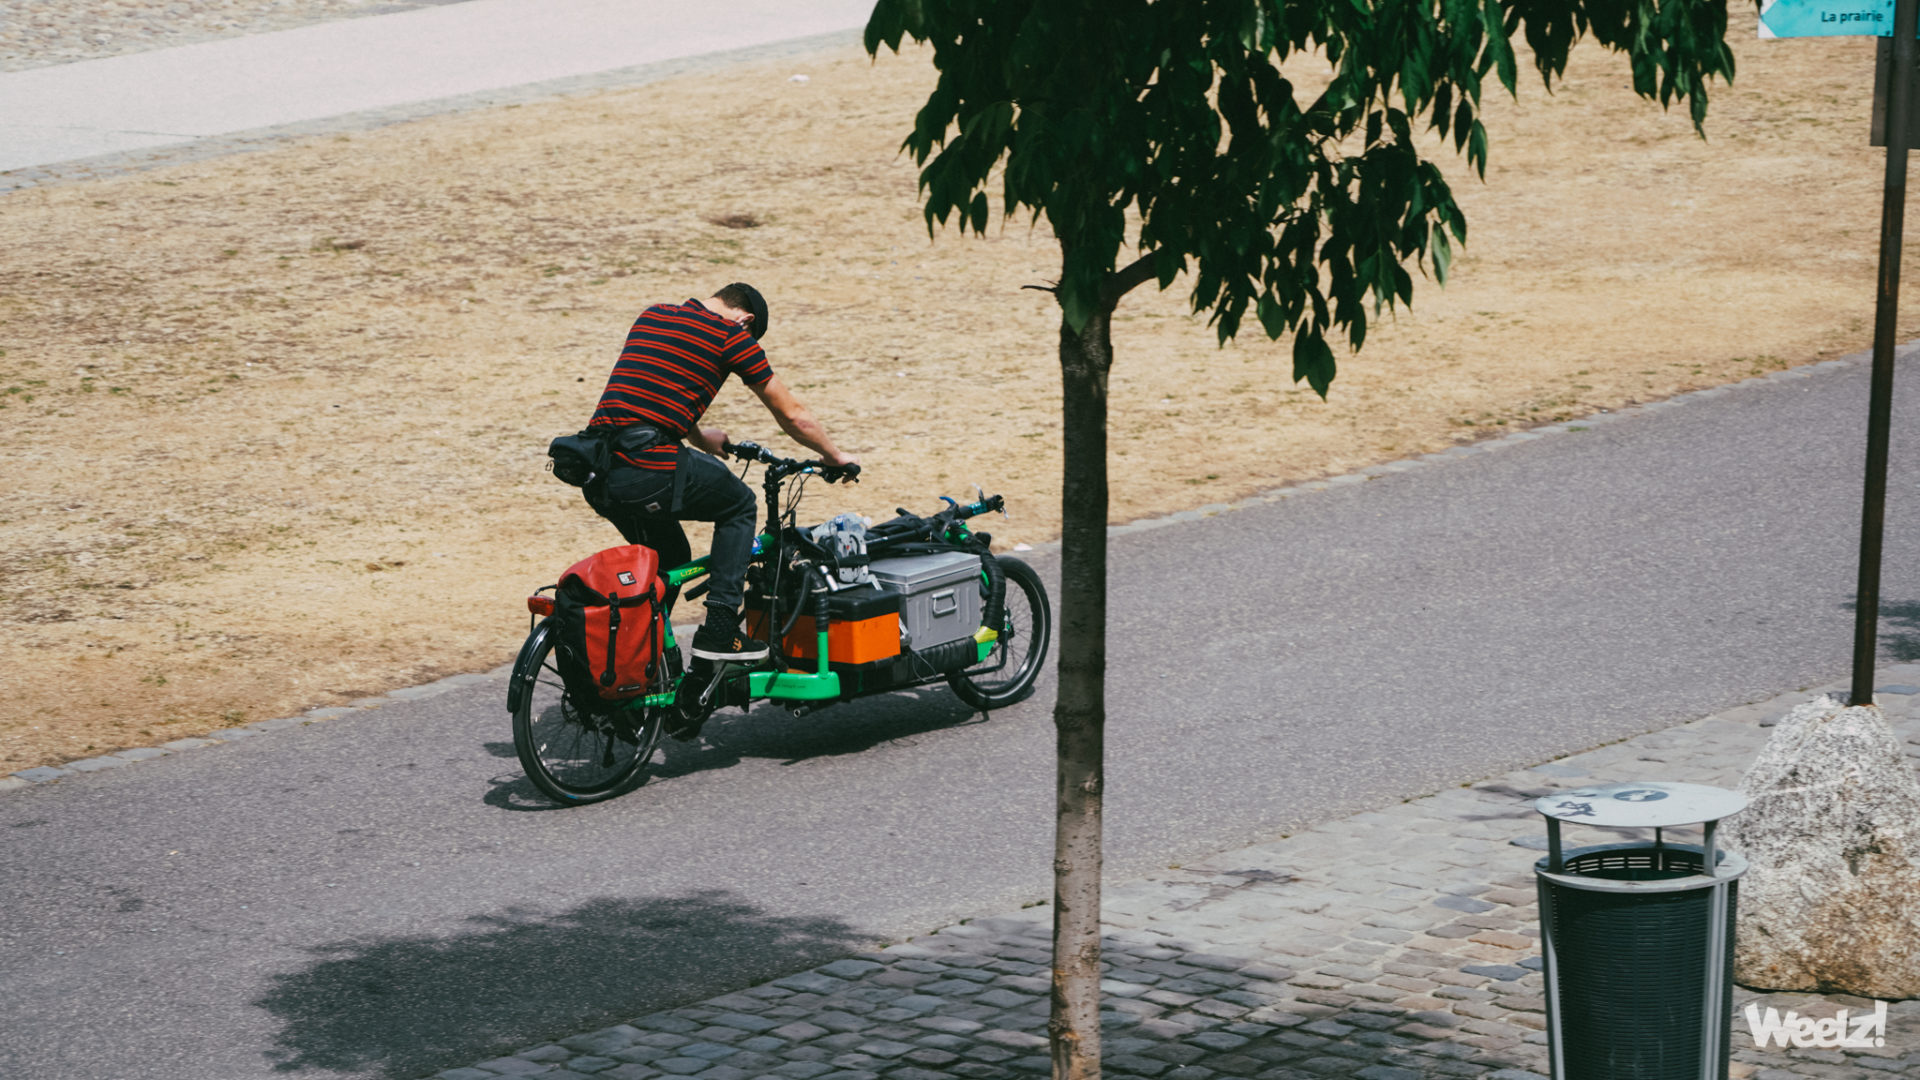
(1873, 513)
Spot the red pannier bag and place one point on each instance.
(606, 610)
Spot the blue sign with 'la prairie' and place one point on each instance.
(1826, 18)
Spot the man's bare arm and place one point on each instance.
(798, 423)
(707, 438)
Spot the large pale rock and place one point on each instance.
(1832, 901)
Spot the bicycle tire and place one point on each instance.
(1022, 648)
(575, 756)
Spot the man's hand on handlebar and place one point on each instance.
(847, 469)
(746, 450)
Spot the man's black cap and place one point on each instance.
(756, 306)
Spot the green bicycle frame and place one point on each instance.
(821, 684)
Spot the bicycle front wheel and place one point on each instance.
(576, 755)
(1009, 672)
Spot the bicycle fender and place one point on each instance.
(522, 675)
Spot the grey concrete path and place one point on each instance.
(35, 33)
(454, 55)
(1397, 944)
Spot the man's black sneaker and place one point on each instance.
(715, 640)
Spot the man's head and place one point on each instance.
(744, 298)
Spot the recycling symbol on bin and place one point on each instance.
(1639, 795)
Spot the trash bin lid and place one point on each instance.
(1645, 805)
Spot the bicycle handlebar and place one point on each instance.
(752, 451)
(992, 504)
(747, 450)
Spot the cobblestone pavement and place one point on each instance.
(1398, 944)
(40, 33)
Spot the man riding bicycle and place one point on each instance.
(675, 360)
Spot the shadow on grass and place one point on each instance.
(404, 1007)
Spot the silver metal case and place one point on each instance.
(939, 596)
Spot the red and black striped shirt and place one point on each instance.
(676, 357)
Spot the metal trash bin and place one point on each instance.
(1637, 938)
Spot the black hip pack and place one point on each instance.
(587, 455)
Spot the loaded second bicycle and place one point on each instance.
(847, 610)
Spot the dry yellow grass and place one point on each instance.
(275, 423)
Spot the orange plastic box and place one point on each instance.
(863, 626)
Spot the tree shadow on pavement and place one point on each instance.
(1899, 631)
(406, 1007)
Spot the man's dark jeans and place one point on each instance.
(639, 501)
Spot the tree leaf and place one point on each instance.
(1273, 317)
(884, 26)
(1312, 360)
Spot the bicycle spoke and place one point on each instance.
(574, 754)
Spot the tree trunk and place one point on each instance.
(1079, 714)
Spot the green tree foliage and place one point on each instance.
(1172, 127)
(1182, 111)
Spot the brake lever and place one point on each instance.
(982, 497)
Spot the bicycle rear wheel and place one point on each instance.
(1016, 658)
(576, 755)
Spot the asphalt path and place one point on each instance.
(384, 895)
(431, 59)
